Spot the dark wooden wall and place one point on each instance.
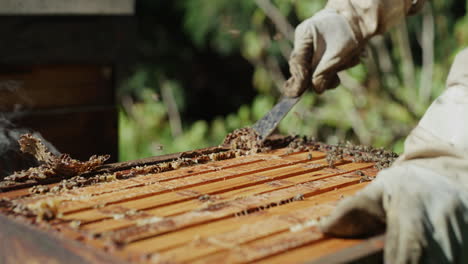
(59, 74)
(72, 106)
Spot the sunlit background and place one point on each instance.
(204, 68)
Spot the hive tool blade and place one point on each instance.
(267, 124)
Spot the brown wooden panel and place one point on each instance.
(55, 86)
(80, 133)
(54, 7)
(66, 39)
(42, 247)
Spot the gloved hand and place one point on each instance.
(333, 39)
(423, 197)
(324, 45)
(426, 216)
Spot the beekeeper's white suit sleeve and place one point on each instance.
(423, 197)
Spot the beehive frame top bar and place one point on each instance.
(261, 207)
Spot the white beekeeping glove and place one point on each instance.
(423, 198)
(333, 39)
(323, 45)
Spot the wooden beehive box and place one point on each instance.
(227, 209)
(59, 69)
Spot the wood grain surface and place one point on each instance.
(42, 87)
(258, 208)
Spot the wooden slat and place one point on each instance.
(195, 241)
(264, 247)
(312, 251)
(369, 251)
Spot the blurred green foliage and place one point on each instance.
(379, 102)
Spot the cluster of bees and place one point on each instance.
(336, 153)
(246, 139)
(43, 210)
(39, 189)
(52, 166)
(358, 153)
(32, 174)
(298, 197)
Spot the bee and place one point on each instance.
(204, 197)
(298, 197)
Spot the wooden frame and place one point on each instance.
(21, 243)
(51, 246)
